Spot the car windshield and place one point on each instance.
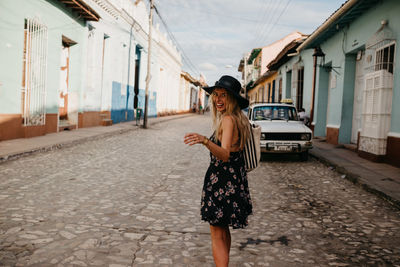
(274, 113)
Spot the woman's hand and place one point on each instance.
(193, 138)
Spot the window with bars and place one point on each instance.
(384, 58)
(34, 73)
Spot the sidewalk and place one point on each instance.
(15, 148)
(379, 178)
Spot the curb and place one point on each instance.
(173, 117)
(355, 179)
(60, 145)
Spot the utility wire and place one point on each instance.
(262, 16)
(184, 56)
(276, 21)
(218, 14)
(266, 17)
(267, 24)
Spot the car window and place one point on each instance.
(274, 113)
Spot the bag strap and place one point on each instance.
(252, 149)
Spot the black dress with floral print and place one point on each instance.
(226, 198)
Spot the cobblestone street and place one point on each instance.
(133, 199)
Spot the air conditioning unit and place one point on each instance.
(376, 112)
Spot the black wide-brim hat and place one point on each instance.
(233, 86)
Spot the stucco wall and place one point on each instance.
(285, 72)
(59, 21)
(167, 71)
(348, 41)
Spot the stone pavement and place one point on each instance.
(379, 178)
(15, 148)
(133, 199)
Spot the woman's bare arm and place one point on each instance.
(221, 152)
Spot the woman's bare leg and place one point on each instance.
(228, 240)
(221, 245)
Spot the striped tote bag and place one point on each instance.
(252, 149)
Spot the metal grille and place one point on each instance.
(384, 58)
(35, 70)
(380, 50)
(282, 136)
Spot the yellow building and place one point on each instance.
(262, 84)
(266, 89)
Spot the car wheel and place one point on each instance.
(304, 156)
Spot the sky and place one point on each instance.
(213, 35)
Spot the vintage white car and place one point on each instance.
(281, 129)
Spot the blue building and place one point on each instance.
(345, 76)
(42, 68)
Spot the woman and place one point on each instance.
(225, 198)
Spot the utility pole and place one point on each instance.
(148, 77)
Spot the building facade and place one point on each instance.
(82, 63)
(167, 72)
(43, 65)
(191, 96)
(357, 82)
(344, 74)
(264, 89)
(261, 84)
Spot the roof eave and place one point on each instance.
(265, 76)
(86, 12)
(282, 57)
(332, 19)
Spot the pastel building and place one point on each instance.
(345, 76)
(167, 74)
(259, 80)
(72, 64)
(43, 65)
(357, 88)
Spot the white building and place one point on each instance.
(91, 60)
(117, 64)
(166, 72)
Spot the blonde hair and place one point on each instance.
(233, 110)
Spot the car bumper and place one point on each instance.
(285, 146)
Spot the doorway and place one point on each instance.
(358, 96)
(288, 84)
(300, 88)
(64, 95)
(273, 92)
(64, 81)
(321, 104)
(330, 87)
(193, 99)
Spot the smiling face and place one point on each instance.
(220, 99)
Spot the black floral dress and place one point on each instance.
(226, 198)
